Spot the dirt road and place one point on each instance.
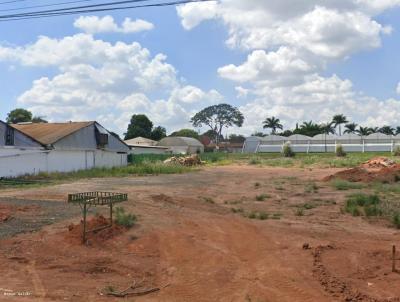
(195, 241)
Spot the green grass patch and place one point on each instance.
(311, 188)
(125, 219)
(359, 204)
(342, 185)
(262, 197)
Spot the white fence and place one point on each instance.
(376, 142)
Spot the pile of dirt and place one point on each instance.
(75, 230)
(379, 162)
(192, 160)
(379, 169)
(5, 213)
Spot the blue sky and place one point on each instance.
(266, 63)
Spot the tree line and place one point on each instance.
(334, 126)
(218, 117)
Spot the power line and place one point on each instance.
(44, 5)
(88, 9)
(73, 8)
(13, 1)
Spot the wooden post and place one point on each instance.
(111, 213)
(84, 224)
(393, 258)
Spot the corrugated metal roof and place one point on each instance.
(179, 141)
(49, 133)
(140, 141)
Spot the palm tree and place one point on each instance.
(309, 128)
(272, 123)
(374, 129)
(338, 120)
(364, 131)
(387, 130)
(350, 128)
(327, 128)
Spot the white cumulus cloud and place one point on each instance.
(106, 24)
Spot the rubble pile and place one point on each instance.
(192, 160)
(379, 162)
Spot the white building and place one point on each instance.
(182, 145)
(58, 147)
(141, 145)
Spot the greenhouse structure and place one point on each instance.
(376, 142)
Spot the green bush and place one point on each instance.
(357, 202)
(340, 151)
(262, 197)
(311, 188)
(263, 216)
(299, 212)
(340, 184)
(124, 219)
(396, 220)
(396, 151)
(287, 150)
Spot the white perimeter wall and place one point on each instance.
(16, 162)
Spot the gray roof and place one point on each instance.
(179, 141)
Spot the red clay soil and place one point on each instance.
(74, 234)
(360, 174)
(197, 250)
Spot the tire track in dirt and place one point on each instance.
(336, 287)
(40, 291)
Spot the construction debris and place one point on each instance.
(192, 160)
(379, 162)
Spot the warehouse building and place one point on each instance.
(31, 148)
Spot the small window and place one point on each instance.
(9, 137)
(101, 139)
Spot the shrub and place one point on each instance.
(287, 150)
(263, 216)
(209, 200)
(358, 201)
(340, 184)
(311, 188)
(124, 219)
(396, 220)
(254, 161)
(237, 210)
(299, 212)
(262, 197)
(396, 151)
(340, 151)
(253, 215)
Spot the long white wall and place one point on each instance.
(17, 162)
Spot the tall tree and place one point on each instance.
(387, 130)
(350, 128)
(39, 119)
(397, 130)
(373, 130)
(236, 138)
(217, 117)
(272, 123)
(338, 120)
(19, 115)
(308, 128)
(259, 134)
(327, 128)
(363, 131)
(158, 133)
(140, 125)
(186, 133)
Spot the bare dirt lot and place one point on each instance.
(232, 233)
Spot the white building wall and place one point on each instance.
(15, 162)
(140, 150)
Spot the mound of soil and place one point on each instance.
(75, 230)
(359, 174)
